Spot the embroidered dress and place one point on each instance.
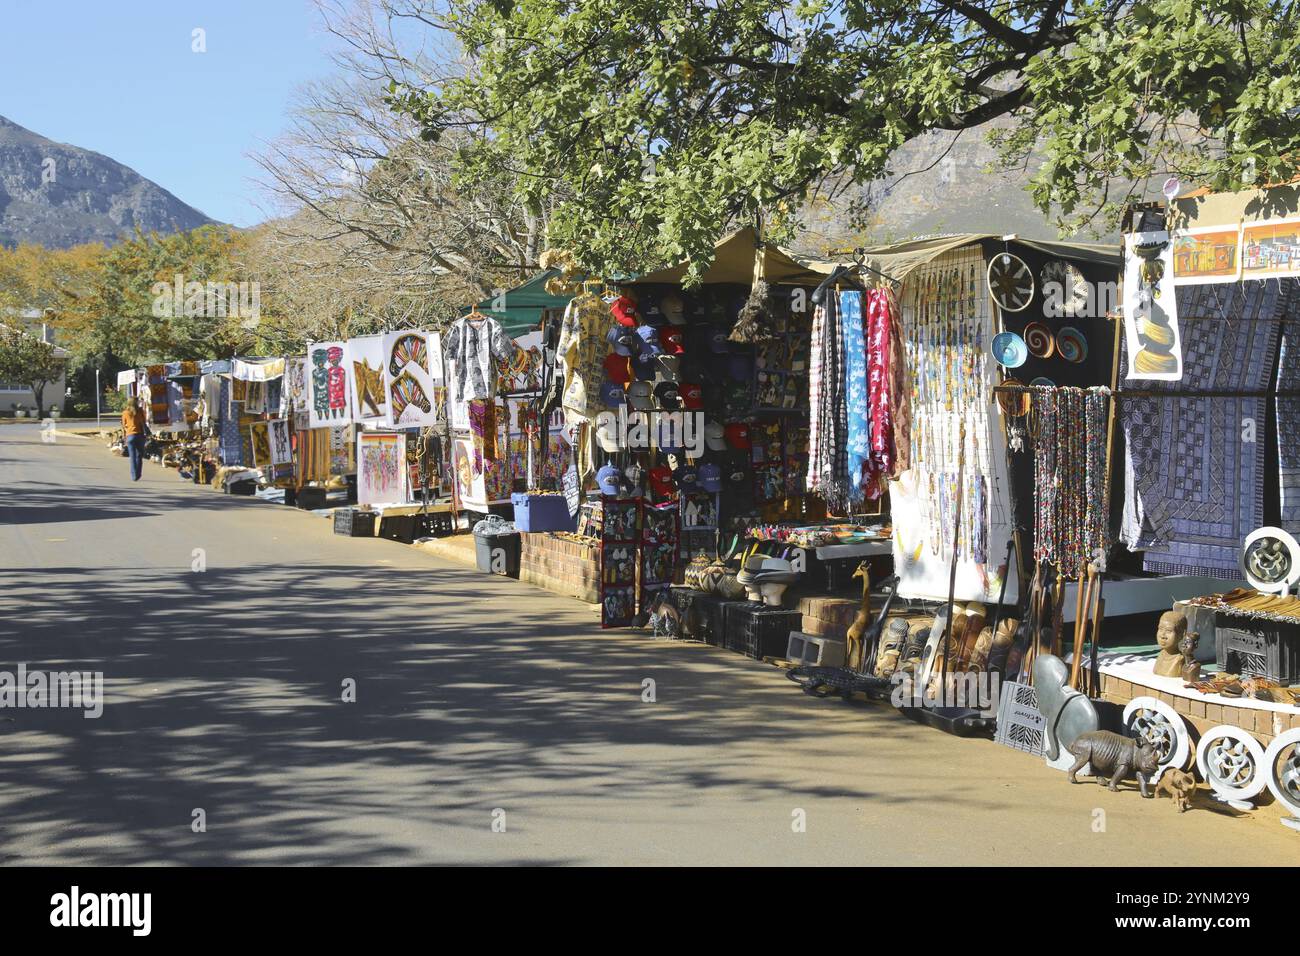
(476, 346)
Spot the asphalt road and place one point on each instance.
(478, 699)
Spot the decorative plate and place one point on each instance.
(1040, 340)
(1009, 349)
(1270, 560)
(1010, 282)
(1065, 290)
(1071, 345)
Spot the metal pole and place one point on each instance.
(98, 426)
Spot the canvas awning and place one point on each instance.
(523, 305)
(733, 262)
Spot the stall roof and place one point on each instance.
(524, 304)
(733, 262)
(1204, 208)
(898, 259)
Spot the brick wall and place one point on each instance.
(1202, 714)
(564, 565)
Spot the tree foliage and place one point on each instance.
(26, 359)
(663, 122)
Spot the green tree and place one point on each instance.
(662, 122)
(26, 359)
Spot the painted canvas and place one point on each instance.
(381, 468)
(409, 383)
(1206, 254)
(1270, 250)
(294, 398)
(1151, 331)
(366, 355)
(278, 436)
(328, 388)
(261, 444)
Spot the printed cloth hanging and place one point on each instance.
(1288, 409)
(880, 399)
(1194, 471)
(583, 348)
(828, 464)
(476, 346)
(816, 397)
(857, 446)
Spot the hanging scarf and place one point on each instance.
(817, 399)
(858, 423)
(878, 405)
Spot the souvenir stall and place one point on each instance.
(1208, 410)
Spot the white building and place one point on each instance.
(14, 394)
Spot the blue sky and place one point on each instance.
(119, 77)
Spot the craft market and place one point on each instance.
(1043, 492)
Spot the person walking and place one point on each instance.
(136, 428)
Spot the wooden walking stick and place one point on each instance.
(952, 571)
(1081, 625)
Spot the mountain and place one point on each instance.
(59, 195)
(939, 183)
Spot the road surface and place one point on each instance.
(479, 701)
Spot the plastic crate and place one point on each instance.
(543, 513)
(354, 523)
(759, 630)
(403, 528)
(310, 499)
(244, 486)
(711, 617)
(686, 601)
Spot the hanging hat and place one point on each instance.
(640, 396)
(710, 477)
(668, 396)
(687, 477)
(672, 338)
(718, 340)
(616, 369)
(740, 367)
(673, 308)
(649, 336)
(644, 367)
(715, 437)
(608, 480)
(692, 396)
(624, 311)
(670, 367)
(652, 314)
(622, 339)
(738, 435)
(612, 394)
(661, 480)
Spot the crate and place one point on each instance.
(244, 486)
(354, 523)
(759, 630)
(440, 524)
(403, 528)
(1258, 647)
(542, 513)
(310, 499)
(703, 614)
(685, 601)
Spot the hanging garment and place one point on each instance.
(879, 337)
(476, 346)
(857, 442)
(1194, 473)
(1288, 409)
(816, 399)
(583, 348)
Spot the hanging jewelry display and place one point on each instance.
(1010, 282)
(1015, 406)
(1071, 506)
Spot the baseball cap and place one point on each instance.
(607, 436)
(673, 308)
(616, 369)
(670, 367)
(652, 314)
(741, 367)
(668, 395)
(737, 435)
(692, 396)
(644, 367)
(649, 340)
(624, 311)
(672, 337)
(687, 476)
(621, 339)
(710, 476)
(607, 478)
(718, 340)
(612, 394)
(661, 480)
(640, 396)
(715, 437)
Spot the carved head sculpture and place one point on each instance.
(1187, 645)
(1172, 627)
(1148, 759)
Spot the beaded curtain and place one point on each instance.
(946, 329)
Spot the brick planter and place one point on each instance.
(566, 566)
